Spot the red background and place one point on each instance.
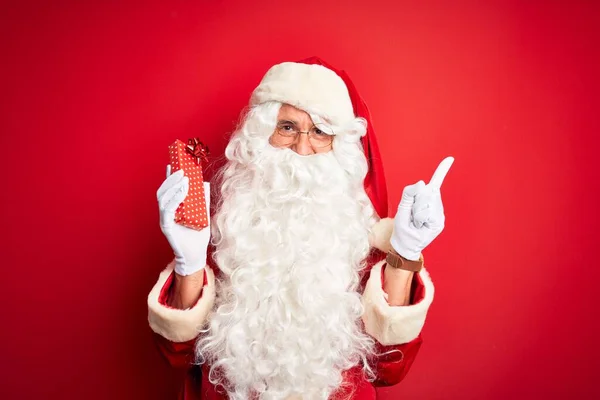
(94, 93)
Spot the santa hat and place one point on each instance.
(314, 86)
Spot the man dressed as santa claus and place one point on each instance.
(317, 294)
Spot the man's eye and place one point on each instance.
(287, 128)
(319, 132)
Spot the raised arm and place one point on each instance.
(184, 293)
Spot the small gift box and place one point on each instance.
(190, 157)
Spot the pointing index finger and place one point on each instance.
(440, 172)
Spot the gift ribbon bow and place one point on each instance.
(198, 150)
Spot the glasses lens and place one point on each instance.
(320, 141)
(287, 130)
(321, 136)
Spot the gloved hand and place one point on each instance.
(189, 245)
(420, 217)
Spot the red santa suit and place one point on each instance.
(396, 329)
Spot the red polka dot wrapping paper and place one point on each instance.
(192, 212)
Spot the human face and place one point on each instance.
(304, 123)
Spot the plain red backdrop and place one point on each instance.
(94, 92)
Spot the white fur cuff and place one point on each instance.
(381, 234)
(179, 325)
(393, 325)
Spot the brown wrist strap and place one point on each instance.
(395, 260)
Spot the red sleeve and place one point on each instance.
(178, 355)
(392, 363)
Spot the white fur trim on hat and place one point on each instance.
(309, 87)
(392, 325)
(180, 325)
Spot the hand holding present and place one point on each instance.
(184, 216)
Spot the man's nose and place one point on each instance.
(303, 146)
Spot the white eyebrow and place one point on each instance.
(287, 120)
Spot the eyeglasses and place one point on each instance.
(289, 132)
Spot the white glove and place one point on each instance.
(189, 245)
(420, 217)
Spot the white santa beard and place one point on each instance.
(291, 237)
